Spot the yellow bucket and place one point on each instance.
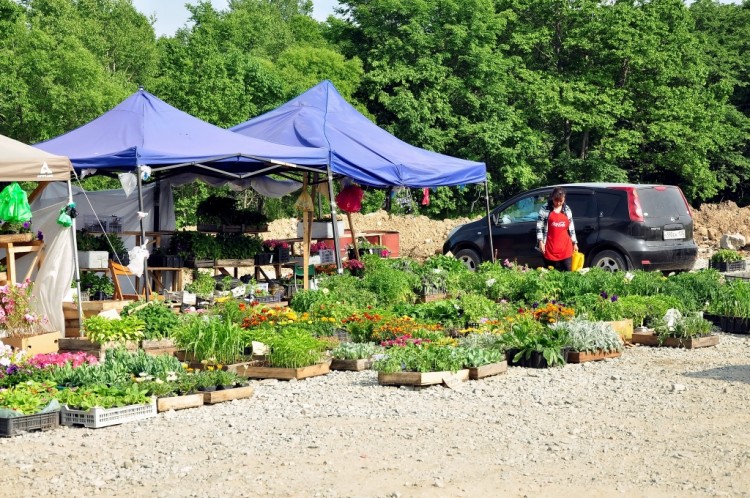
(577, 262)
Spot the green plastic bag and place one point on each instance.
(14, 205)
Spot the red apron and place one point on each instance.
(559, 245)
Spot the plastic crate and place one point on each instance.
(724, 266)
(272, 298)
(104, 417)
(39, 421)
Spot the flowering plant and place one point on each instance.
(553, 312)
(15, 226)
(16, 316)
(61, 359)
(273, 244)
(317, 247)
(355, 267)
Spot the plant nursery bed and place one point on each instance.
(476, 373)
(584, 356)
(428, 298)
(421, 378)
(13, 426)
(351, 365)
(155, 348)
(651, 339)
(221, 395)
(89, 308)
(73, 344)
(96, 417)
(262, 371)
(179, 402)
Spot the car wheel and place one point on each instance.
(610, 261)
(469, 257)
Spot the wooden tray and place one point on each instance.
(255, 371)
(421, 378)
(476, 373)
(584, 356)
(651, 339)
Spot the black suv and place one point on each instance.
(619, 227)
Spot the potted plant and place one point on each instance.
(354, 356)
(20, 326)
(679, 331)
(101, 405)
(727, 260)
(29, 406)
(91, 254)
(102, 330)
(274, 251)
(530, 344)
(432, 285)
(420, 363)
(590, 341)
(99, 287)
(203, 285)
(293, 353)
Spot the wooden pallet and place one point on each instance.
(255, 371)
(213, 397)
(585, 356)
(351, 365)
(476, 373)
(421, 378)
(179, 402)
(651, 339)
(90, 308)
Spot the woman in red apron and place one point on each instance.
(555, 232)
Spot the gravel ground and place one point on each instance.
(655, 422)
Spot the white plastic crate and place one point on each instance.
(101, 417)
(93, 259)
(326, 257)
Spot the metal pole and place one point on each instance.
(75, 265)
(334, 220)
(489, 221)
(146, 285)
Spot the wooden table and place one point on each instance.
(20, 249)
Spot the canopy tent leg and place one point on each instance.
(306, 224)
(146, 286)
(75, 264)
(489, 221)
(334, 221)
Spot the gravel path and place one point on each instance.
(655, 422)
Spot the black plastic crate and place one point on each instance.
(38, 422)
(727, 265)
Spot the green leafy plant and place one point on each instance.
(726, 256)
(203, 284)
(356, 351)
(94, 283)
(587, 336)
(29, 397)
(158, 318)
(85, 398)
(420, 358)
(478, 356)
(214, 338)
(101, 330)
(683, 328)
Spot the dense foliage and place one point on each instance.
(542, 91)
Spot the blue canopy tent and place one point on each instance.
(357, 147)
(146, 131)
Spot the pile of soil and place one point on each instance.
(421, 237)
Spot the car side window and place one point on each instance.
(583, 205)
(612, 205)
(523, 210)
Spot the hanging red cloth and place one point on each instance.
(350, 199)
(425, 196)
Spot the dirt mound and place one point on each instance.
(714, 220)
(421, 237)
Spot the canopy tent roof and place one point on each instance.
(358, 148)
(144, 130)
(20, 163)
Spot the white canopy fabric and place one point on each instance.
(23, 163)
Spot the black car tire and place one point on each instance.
(470, 258)
(609, 260)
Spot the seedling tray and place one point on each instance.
(104, 417)
(37, 422)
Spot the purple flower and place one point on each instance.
(535, 305)
(11, 369)
(614, 298)
(27, 224)
(604, 295)
(39, 235)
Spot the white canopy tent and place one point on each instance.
(21, 162)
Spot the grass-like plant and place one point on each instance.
(356, 351)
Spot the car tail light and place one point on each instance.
(686, 203)
(634, 204)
